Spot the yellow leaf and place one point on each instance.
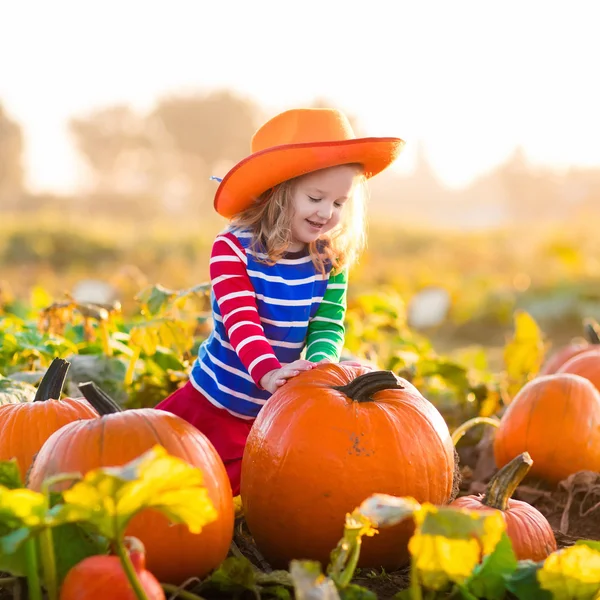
(524, 353)
(109, 497)
(572, 573)
(21, 507)
(440, 560)
(448, 542)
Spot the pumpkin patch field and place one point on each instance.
(420, 475)
(461, 461)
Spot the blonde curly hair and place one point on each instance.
(269, 219)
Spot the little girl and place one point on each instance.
(279, 270)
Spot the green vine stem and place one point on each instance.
(415, 586)
(345, 577)
(47, 554)
(462, 429)
(364, 386)
(53, 381)
(504, 483)
(34, 585)
(129, 569)
(176, 592)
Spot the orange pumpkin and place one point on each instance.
(586, 364)
(323, 443)
(173, 553)
(25, 426)
(102, 577)
(577, 346)
(556, 418)
(530, 533)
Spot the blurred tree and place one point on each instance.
(112, 141)
(171, 152)
(210, 133)
(11, 157)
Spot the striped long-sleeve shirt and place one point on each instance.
(264, 316)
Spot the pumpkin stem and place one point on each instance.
(99, 399)
(504, 483)
(53, 381)
(592, 331)
(364, 386)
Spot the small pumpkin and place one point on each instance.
(586, 364)
(530, 533)
(327, 440)
(556, 418)
(25, 426)
(102, 577)
(575, 347)
(173, 553)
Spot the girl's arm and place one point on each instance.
(325, 338)
(237, 302)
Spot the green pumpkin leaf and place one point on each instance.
(523, 582)
(488, 578)
(353, 591)
(13, 558)
(109, 497)
(233, 576)
(73, 543)
(595, 545)
(13, 392)
(10, 475)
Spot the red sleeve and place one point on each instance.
(237, 301)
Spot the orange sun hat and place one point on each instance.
(296, 142)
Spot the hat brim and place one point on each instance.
(262, 170)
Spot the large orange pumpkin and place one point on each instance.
(173, 554)
(556, 418)
(530, 533)
(25, 426)
(327, 440)
(586, 364)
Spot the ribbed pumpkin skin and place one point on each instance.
(556, 418)
(529, 531)
(586, 364)
(24, 427)
(314, 455)
(173, 554)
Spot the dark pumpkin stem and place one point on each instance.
(592, 331)
(100, 400)
(364, 386)
(53, 381)
(504, 483)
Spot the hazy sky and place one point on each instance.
(470, 80)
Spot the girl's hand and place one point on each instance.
(273, 380)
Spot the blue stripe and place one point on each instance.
(267, 310)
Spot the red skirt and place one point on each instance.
(226, 432)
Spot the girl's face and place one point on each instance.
(317, 203)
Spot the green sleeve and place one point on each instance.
(325, 337)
